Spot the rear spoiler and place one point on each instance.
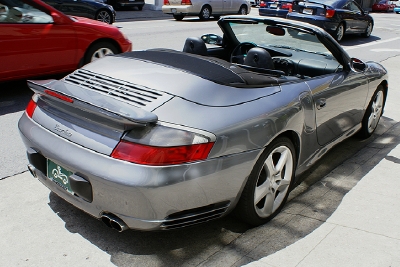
(296, 2)
(122, 113)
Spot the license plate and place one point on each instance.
(59, 175)
(308, 11)
(273, 5)
(173, 10)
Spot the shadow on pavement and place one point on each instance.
(228, 241)
(351, 40)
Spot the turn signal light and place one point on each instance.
(160, 156)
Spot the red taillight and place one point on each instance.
(186, 2)
(30, 108)
(263, 4)
(166, 2)
(59, 96)
(158, 156)
(287, 6)
(330, 13)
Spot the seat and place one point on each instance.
(259, 58)
(195, 45)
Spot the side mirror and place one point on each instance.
(212, 39)
(57, 19)
(357, 65)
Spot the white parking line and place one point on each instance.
(372, 43)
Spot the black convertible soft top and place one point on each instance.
(209, 68)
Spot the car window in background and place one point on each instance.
(15, 11)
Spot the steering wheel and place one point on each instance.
(240, 51)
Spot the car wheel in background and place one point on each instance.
(205, 13)
(100, 50)
(368, 30)
(373, 113)
(104, 16)
(243, 10)
(339, 33)
(178, 17)
(269, 183)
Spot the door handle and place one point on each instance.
(321, 103)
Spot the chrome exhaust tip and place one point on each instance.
(32, 170)
(114, 222)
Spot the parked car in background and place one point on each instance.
(118, 4)
(338, 17)
(162, 139)
(92, 9)
(37, 39)
(397, 7)
(205, 9)
(278, 8)
(383, 5)
(254, 3)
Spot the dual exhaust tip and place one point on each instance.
(108, 219)
(114, 222)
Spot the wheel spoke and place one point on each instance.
(261, 191)
(282, 161)
(283, 185)
(268, 208)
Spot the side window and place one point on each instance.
(16, 11)
(354, 7)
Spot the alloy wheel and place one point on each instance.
(273, 181)
(101, 52)
(376, 112)
(104, 16)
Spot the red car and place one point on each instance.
(383, 5)
(37, 40)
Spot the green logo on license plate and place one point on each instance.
(59, 175)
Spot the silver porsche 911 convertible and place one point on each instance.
(165, 139)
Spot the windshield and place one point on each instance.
(278, 36)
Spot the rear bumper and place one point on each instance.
(329, 25)
(273, 12)
(144, 197)
(180, 10)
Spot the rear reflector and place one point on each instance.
(30, 108)
(159, 156)
(59, 96)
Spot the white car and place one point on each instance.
(205, 9)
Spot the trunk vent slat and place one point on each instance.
(128, 92)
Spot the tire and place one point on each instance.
(373, 113)
(368, 30)
(205, 13)
(178, 17)
(104, 16)
(100, 50)
(339, 33)
(243, 10)
(140, 8)
(265, 193)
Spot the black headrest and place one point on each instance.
(195, 45)
(259, 58)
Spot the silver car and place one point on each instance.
(205, 9)
(166, 139)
